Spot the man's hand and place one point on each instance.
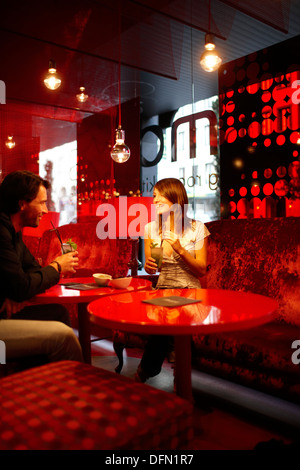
(68, 262)
(11, 307)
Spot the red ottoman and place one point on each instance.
(70, 405)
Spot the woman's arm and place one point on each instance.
(196, 264)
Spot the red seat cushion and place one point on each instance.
(69, 405)
(109, 256)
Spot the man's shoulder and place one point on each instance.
(5, 222)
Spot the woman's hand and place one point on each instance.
(150, 265)
(173, 240)
(197, 262)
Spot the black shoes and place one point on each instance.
(140, 375)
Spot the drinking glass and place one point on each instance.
(66, 248)
(157, 254)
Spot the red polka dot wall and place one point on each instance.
(259, 133)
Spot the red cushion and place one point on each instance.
(260, 256)
(69, 405)
(110, 256)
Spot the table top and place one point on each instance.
(62, 294)
(218, 310)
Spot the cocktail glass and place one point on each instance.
(66, 248)
(157, 254)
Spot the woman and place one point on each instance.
(184, 243)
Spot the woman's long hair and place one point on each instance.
(173, 190)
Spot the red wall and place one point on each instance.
(96, 171)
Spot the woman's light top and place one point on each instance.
(174, 272)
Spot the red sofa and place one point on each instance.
(95, 255)
(260, 256)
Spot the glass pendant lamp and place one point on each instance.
(210, 59)
(82, 96)
(120, 153)
(10, 143)
(52, 80)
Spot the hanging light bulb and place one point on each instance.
(82, 96)
(52, 81)
(120, 153)
(210, 59)
(10, 143)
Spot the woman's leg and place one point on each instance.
(154, 355)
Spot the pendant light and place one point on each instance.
(210, 59)
(120, 153)
(82, 96)
(10, 143)
(52, 80)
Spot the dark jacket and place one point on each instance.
(21, 276)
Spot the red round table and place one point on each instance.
(61, 294)
(217, 310)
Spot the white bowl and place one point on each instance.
(102, 279)
(121, 282)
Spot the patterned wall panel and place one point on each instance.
(260, 133)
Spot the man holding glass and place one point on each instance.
(23, 197)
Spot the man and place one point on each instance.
(23, 197)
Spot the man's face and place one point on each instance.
(32, 212)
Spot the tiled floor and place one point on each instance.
(218, 426)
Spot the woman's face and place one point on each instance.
(162, 204)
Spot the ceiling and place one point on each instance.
(157, 42)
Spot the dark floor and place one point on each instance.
(218, 425)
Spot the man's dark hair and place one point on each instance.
(19, 186)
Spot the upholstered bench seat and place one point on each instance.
(260, 358)
(69, 405)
